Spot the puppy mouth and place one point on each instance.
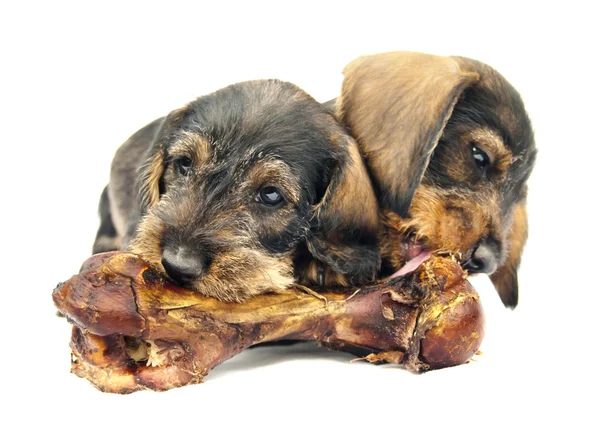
(415, 253)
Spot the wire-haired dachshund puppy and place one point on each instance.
(243, 191)
(449, 147)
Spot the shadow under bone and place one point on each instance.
(274, 353)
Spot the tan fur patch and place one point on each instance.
(517, 236)
(146, 240)
(505, 278)
(192, 145)
(151, 177)
(316, 271)
(397, 105)
(351, 201)
(441, 220)
(490, 142)
(233, 275)
(275, 173)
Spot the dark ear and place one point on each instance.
(505, 278)
(151, 171)
(346, 220)
(396, 105)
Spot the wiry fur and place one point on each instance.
(240, 139)
(443, 219)
(242, 268)
(417, 118)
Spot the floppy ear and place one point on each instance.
(396, 105)
(150, 173)
(505, 278)
(346, 220)
(149, 178)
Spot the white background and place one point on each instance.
(77, 80)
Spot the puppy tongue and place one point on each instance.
(413, 250)
(412, 264)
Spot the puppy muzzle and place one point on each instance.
(183, 265)
(484, 259)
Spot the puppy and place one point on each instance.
(243, 191)
(449, 147)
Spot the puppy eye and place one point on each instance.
(183, 165)
(481, 158)
(270, 196)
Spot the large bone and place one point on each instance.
(133, 330)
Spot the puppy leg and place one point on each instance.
(106, 237)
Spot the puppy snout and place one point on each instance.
(183, 265)
(484, 259)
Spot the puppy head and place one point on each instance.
(450, 147)
(237, 180)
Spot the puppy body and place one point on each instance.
(242, 192)
(450, 147)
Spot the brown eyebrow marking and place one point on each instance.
(275, 173)
(488, 140)
(191, 145)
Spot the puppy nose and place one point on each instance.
(182, 265)
(484, 259)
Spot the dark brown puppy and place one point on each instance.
(243, 191)
(449, 147)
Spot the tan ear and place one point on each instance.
(505, 278)
(347, 219)
(152, 169)
(150, 176)
(396, 105)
